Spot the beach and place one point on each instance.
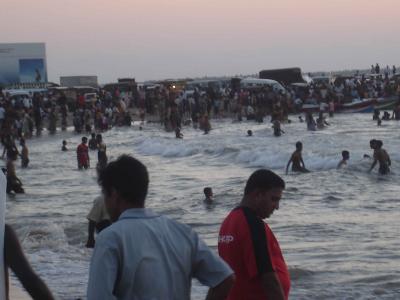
(338, 229)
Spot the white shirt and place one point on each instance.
(145, 256)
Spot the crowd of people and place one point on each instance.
(250, 264)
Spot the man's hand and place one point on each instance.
(221, 291)
(90, 243)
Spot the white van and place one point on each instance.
(259, 83)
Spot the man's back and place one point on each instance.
(147, 256)
(249, 246)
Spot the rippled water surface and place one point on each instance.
(339, 229)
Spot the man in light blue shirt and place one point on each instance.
(143, 255)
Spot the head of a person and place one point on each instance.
(124, 183)
(372, 143)
(299, 146)
(93, 135)
(249, 132)
(345, 155)
(378, 144)
(64, 142)
(99, 138)
(84, 140)
(263, 192)
(208, 192)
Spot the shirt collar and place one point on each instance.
(138, 213)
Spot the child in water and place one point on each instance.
(381, 156)
(64, 146)
(178, 133)
(208, 194)
(297, 160)
(345, 158)
(277, 128)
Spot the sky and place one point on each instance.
(159, 39)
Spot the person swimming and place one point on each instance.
(93, 142)
(249, 133)
(311, 124)
(178, 133)
(297, 160)
(277, 128)
(345, 158)
(208, 193)
(381, 156)
(64, 146)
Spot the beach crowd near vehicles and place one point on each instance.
(21, 118)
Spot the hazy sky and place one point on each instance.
(157, 39)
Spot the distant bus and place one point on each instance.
(123, 85)
(284, 76)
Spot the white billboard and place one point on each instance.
(23, 63)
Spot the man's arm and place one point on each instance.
(272, 286)
(302, 161)
(373, 165)
(90, 241)
(221, 291)
(288, 164)
(211, 270)
(16, 260)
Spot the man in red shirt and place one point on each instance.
(82, 154)
(249, 246)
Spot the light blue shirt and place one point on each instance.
(147, 256)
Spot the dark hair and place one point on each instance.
(263, 179)
(299, 145)
(207, 190)
(128, 177)
(84, 139)
(345, 153)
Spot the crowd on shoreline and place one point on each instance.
(19, 121)
(22, 117)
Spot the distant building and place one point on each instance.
(70, 81)
(23, 63)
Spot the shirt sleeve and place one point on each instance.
(208, 267)
(103, 269)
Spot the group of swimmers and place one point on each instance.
(380, 156)
(82, 151)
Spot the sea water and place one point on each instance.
(338, 229)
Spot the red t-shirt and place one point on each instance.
(250, 248)
(83, 154)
